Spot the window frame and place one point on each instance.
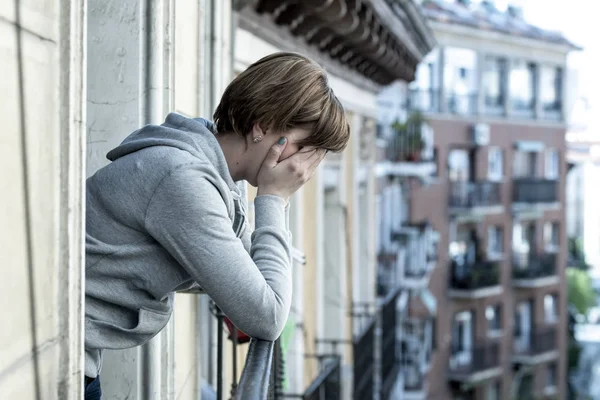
(495, 164)
(551, 314)
(552, 164)
(495, 246)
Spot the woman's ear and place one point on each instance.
(257, 133)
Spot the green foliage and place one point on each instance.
(409, 137)
(580, 292)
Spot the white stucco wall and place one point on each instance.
(41, 82)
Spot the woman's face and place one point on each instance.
(259, 150)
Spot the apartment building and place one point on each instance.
(487, 117)
(86, 74)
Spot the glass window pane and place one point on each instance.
(522, 85)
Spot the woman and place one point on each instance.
(166, 214)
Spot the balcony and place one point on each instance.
(414, 382)
(327, 385)
(390, 366)
(476, 364)
(474, 281)
(552, 111)
(475, 197)
(423, 100)
(528, 192)
(428, 101)
(461, 104)
(364, 363)
(535, 346)
(409, 150)
(418, 254)
(531, 271)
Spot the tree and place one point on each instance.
(580, 293)
(580, 297)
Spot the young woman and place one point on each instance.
(166, 214)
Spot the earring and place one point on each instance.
(258, 139)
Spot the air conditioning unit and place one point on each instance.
(481, 134)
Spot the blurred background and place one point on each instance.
(452, 251)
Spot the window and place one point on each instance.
(494, 76)
(462, 339)
(551, 375)
(551, 236)
(523, 326)
(525, 164)
(551, 88)
(551, 308)
(494, 391)
(459, 165)
(495, 241)
(552, 164)
(522, 86)
(493, 314)
(495, 164)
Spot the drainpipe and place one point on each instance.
(154, 84)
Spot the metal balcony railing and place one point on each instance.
(464, 104)
(474, 276)
(390, 365)
(468, 361)
(364, 363)
(424, 100)
(258, 377)
(530, 266)
(534, 342)
(409, 147)
(262, 375)
(535, 190)
(474, 194)
(327, 385)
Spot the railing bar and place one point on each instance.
(234, 333)
(219, 356)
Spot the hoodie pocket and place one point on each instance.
(106, 335)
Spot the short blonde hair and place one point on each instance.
(283, 91)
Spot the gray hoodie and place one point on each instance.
(165, 215)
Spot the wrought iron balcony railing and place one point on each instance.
(535, 190)
(364, 362)
(534, 266)
(464, 362)
(463, 104)
(474, 276)
(472, 194)
(327, 385)
(534, 341)
(424, 100)
(390, 365)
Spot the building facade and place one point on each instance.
(487, 111)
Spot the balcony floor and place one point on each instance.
(533, 359)
(476, 377)
(533, 283)
(477, 210)
(475, 293)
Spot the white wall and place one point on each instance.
(42, 84)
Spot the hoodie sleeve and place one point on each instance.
(189, 218)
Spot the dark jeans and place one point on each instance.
(92, 389)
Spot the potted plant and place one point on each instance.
(408, 140)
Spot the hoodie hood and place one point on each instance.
(193, 135)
